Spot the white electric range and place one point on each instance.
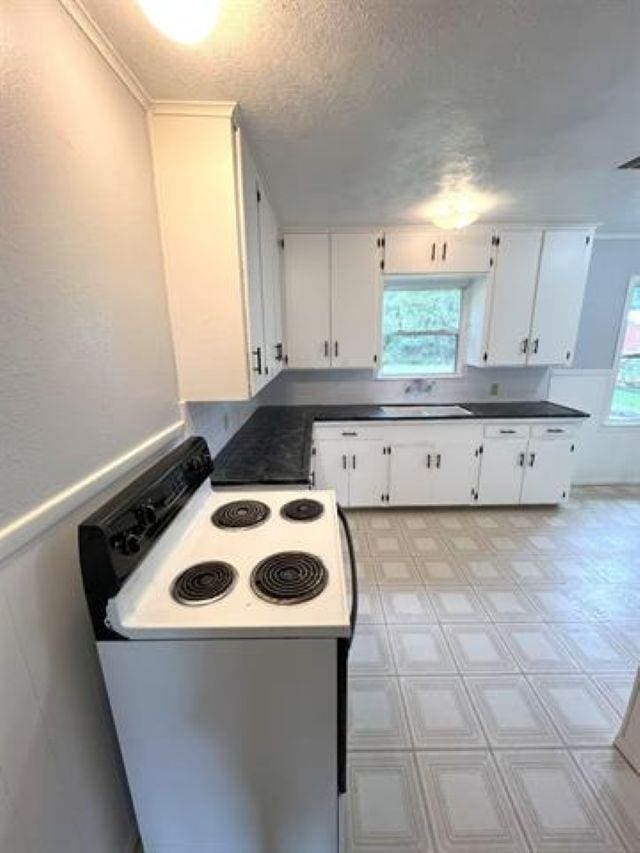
(223, 621)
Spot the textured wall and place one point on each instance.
(86, 373)
(612, 265)
(86, 367)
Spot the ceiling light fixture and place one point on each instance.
(185, 21)
(457, 204)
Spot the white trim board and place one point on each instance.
(78, 12)
(29, 525)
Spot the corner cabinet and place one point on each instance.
(331, 300)
(221, 252)
(526, 312)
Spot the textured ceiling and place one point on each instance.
(358, 109)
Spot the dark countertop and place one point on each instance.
(274, 445)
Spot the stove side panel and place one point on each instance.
(229, 745)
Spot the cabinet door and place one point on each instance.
(564, 264)
(368, 473)
(465, 252)
(271, 284)
(354, 298)
(454, 469)
(547, 471)
(250, 224)
(512, 292)
(332, 468)
(501, 469)
(411, 474)
(411, 253)
(307, 321)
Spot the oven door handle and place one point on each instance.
(353, 618)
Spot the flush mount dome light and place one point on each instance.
(186, 21)
(454, 213)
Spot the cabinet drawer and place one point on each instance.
(549, 430)
(506, 431)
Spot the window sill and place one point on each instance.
(630, 423)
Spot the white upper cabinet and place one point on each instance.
(354, 299)
(564, 265)
(209, 203)
(437, 252)
(513, 289)
(271, 287)
(307, 300)
(331, 298)
(252, 261)
(526, 312)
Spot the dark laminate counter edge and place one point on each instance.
(274, 446)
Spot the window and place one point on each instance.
(420, 328)
(625, 400)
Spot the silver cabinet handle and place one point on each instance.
(433, 251)
(428, 460)
(555, 429)
(438, 460)
(444, 251)
(507, 432)
(353, 461)
(532, 459)
(258, 354)
(344, 461)
(524, 346)
(349, 433)
(536, 344)
(326, 349)
(521, 458)
(335, 348)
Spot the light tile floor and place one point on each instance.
(494, 657)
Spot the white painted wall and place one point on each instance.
(298, 387)
(86, 374)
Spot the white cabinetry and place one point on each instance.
(564, 265)
(307, 300)
(410, 479)
(209, 209)
(356, 468)
(271, 288)
(354, 299)
(526, 465)
(437, 251)
(331, 293)
(527, 311)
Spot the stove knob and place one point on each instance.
(148, 515)
(131, 543)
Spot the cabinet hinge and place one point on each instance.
(485, 356)
(490, 262)
(573, 447)
(281, 242)
(564, 494)
(382, 264)
(258, 195)
(286, 359)
(387, 496)
(481, 450)
(375, 359)
(473, 493)
(587, 240)
(383, 241)
(384, 451)
(381, 498)
(378, 243)
(475, 497)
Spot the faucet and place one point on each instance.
(419, 386)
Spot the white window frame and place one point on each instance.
(434, 282)
(621, 423)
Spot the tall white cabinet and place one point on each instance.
(527, 311)
(220, 246)
(331, 300)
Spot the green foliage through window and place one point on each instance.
(420, 329)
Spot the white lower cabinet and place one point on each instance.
(529, 465)
(410, 475)
(357, 469)
(434, 465)
(547, 470)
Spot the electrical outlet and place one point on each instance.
(494, 389)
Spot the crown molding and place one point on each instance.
(79, 14)
(219, 109)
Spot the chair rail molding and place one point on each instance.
(26, 527)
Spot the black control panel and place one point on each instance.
(115, 539)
